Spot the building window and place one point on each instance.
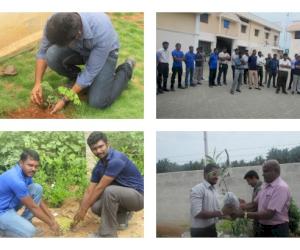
(204, 18)
(275, 38)
(297, 34)
(267, 35)
(256, 32)
(243, 28)
(226, 24)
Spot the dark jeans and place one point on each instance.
(107, 85)
(281, 230)
(210, 231)
(281, 80)
(163, 73)
(222, 70)
(272, 74)
(174, 72)
(260, 72)
(189, 73)
(292, 78)
(212, 76)
(114, 202)
(246, 75)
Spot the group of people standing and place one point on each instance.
(194, 63)
(254, 70)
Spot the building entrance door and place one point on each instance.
(223, 42)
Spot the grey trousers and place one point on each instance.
(237, 81)
(113, 203)
(107, 85)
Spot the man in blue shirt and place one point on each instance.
(178, 58)
(116, 188)
(17, 190)
(89, 39)
(253, 74)
(189, 59)
(213, 64)
(273, 67)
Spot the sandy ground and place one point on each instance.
(64, 216)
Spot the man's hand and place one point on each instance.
(58, 106)
(79, 216)
(36, 94)
(55, 228)
(237, 214)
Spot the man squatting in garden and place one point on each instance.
(18, 190)
(89, 39)
(205, 208)
(116, 188)
(271, 205)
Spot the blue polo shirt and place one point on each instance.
(177, 54)
(190, 60)
(117, 165)
(13, 187)
(274, 65)
(213, 61)
(297, 70)
(252, 62)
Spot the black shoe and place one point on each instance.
(298, 93)
(239, 91)
(225, 83)
(180, 87)
(277, 91)
(172, 89)
(284, 92)
(250, 88)
(293, 92)
(258, 88)
(160, 91)
(193, 85)
(232, 92)
(199, 83)
(166, 90)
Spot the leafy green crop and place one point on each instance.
(72, 96)
(62, 171)
(50, 96)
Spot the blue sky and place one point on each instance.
(182, 147)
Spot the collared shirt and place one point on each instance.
(293, 64)
(274, 64)
(274, 196)
(199, 59)
(252, 62)
(283, 62)
(267, 65)
(233, 57)
(237, 62)
(261, 61)
(256, 189)
(177, 54)
(189, 60)
(163, 56)
(117, 165)
(13, 187)
(98, 39)
(245, 58)
(213, 61)
(203, 198)
(297, 68)
(224, 57)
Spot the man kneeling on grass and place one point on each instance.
(116, 188)
(17, 189)
(72, 39)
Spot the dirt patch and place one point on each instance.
(32, 112)
(137, 18)
(12, 86)
(90, 225)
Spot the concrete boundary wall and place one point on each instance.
(173, 190)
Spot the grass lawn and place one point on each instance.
(15, 90)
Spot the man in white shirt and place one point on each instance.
(283, 73)
(205, 209)
(261, 61)
(224, 58)
(162, 57)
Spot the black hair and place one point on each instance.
(210, 167)
(165, 42)
(178, 44)
(29, 153)
(250, 174)
(96, 136)
(62, 28)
